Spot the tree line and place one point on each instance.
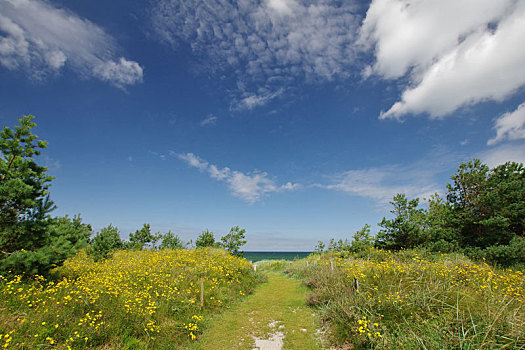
(32, 241)
(108, 239)
(482, 214)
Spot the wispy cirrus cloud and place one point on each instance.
(502, 154)
(382, 183)
(249, 100)
(454, 53)
(250, 187)
(421, 178)
(209, 120)
(267, 44)
(41, 39)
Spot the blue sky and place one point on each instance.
(295, 119)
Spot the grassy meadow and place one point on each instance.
(414, 300)
(135, 300)
(373, 299)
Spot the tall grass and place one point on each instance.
(414, 299)
(137, 299)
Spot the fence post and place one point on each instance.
(332, 265)
(202, 293)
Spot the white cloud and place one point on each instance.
(455, 53)
(120, 74)
(209, 120)
(42, 39)
(192, 160)
(268, 44)
(249, 187)
(502, 154)
(283, 7)
(510, 126)
(250, 101)
(382, 183)
(421, 178)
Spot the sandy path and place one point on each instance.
(274, 317)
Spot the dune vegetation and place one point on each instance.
(415, 299)
(136, 299)
(443, 273)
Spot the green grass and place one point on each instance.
(135, 300)
(415, 300)
(280, 301)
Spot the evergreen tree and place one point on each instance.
(171, 241)
(406, 229)
(361, 239)
(105, 242)
(141, 238)
(319, 248)
(30, 240)
(206, 239)
(488, 205)
(234, 240)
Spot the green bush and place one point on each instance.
(171, 241)
(509, 255)
(105, 241)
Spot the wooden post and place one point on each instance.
(307, 263)
(332, 265)
(356, 284)
(255, 268)
(202, 293)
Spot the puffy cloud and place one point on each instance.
(249, 187)
(41, 39)
(267, 44)
(283, 7)
(119, 73)
(455, 53)
(510, 126)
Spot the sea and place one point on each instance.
(257, 256)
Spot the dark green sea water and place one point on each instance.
(256, 256)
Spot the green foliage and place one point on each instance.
(414, 299)
(507, 255)
(130, 300)
(24, 184)
(319, 248)
(338, 246)
(30, 240)
(483, 215)
(234, 240)
(142, 238)
(488, 205)
(406, 229)
(54, 240)
(104, 242)
(361, 240)
(206, 239)
(171, 241)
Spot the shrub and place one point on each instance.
(105, 241)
